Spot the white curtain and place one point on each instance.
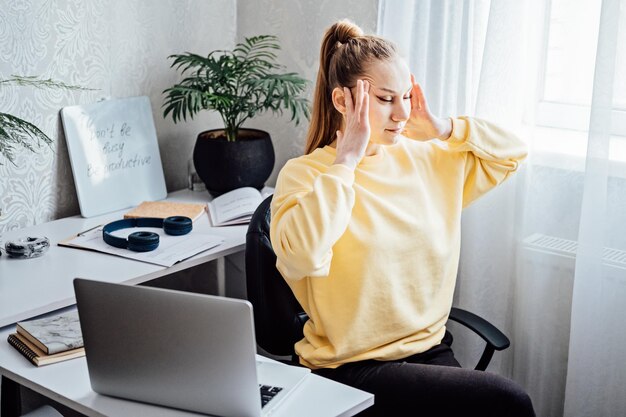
(543, 256)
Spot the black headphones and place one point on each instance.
(145, 241)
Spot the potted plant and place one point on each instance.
(239, 84)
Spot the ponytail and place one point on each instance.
(344, 57)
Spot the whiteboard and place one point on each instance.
(114, 154)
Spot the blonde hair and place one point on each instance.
(345, 55)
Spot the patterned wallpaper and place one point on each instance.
(119, 47)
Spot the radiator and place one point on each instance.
(565, 250)
(543, 307)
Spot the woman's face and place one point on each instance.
(389, 100)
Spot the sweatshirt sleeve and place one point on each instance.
(310, 212)
(492, 154)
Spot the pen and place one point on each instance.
(88, 230)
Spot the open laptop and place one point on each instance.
(184, 350)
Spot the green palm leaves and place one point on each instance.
(18, 133)
(238, 84)
(15, 133)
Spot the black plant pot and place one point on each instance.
(224, 166)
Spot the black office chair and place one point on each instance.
(279, 318)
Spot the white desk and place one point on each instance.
(68, 383)
(30, 287)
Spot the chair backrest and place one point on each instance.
(278, 317)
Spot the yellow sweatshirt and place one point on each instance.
(372, 254)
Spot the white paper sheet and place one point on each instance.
(172, 249)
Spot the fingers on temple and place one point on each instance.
(358, 97)
(414, 86)
(366, 99)
(417, 96)
(357, 103)
(365, 107)
(348, 99)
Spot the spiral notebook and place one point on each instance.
(53, 334)
(37, 356)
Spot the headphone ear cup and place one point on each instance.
(177, 225)
(143, 241)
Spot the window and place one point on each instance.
(566, 86)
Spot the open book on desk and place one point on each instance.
(236, 206)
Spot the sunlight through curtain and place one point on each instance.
(543, 256)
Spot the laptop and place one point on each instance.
(178, 349)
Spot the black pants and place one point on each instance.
(432, 384)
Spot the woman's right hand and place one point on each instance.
(352, 142)
(422, 124)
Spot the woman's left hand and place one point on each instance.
(422, 124)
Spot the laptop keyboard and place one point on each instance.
(267, 393)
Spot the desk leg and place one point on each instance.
(221, 276)
(10, 398)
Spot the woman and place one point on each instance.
(366, 229)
